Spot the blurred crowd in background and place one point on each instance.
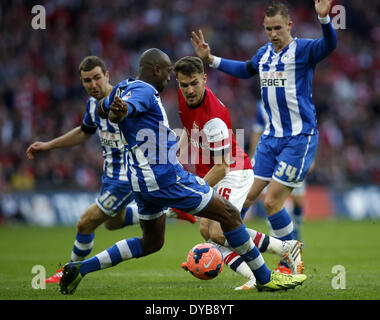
(41, 95)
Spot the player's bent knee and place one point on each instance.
(111, 225)
(233, 212)
(150, 246)
(224, 212)
(83, 226)
(231, 217)
(271, 205)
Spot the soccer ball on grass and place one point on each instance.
(204, 261)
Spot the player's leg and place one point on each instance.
(84, 239)
(294, 159)
(125, 217)
(228, 216)
(113, 198)
(204, 228)
(265, 161)
(297, 197)
(241, 184)
(230, 257)
(288, 250)
(282, 225)
(152, 240)
(297, 216)
(237, 236)
(279, 218)
(152, 223)
(257, 188)
(193, 195)
(266, 166)
(234, 187)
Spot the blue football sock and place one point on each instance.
(242, 243)
(82, 246)
(243, 212)
(131, 215)
(282, 225)
(297, 220)
(120, 251)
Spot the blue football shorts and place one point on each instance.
(114, 196)
(190, 194)
(286, 160)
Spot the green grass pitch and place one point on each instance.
(353, 245)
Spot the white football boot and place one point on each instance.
(250, 284)
(292, 255)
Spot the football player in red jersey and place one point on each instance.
(218, 159)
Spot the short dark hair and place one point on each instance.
(188, 65)
(90, 62)
(277, 8)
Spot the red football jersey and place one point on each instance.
(209, 129)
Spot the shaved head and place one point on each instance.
(152, 57)
(154, 68)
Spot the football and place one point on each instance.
(204, 261)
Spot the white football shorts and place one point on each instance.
(235, 186)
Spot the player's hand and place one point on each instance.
(119, 110)
(35, 148)
(322, 7)
(201, 47)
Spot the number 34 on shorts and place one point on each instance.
(288, 170)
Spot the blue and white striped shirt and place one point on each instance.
(152, 145)
(261, 120)
(111, 140)
(286, 81)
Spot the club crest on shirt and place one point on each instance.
(287, 57)
(128, 95)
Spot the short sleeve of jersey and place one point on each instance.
(140, 97)
(217, 135)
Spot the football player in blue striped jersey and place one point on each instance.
(110, 207)
(286, 66)
(159, 181)
(297, 196)
(113, 206)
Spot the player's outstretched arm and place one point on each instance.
(232, 67)
(322, 47)
(72, 138)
